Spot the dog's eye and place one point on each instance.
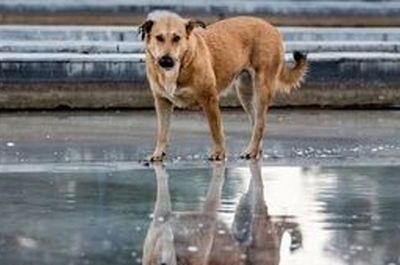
(176, 38)
(160, 38)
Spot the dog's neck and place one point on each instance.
(189, 55)
(187, 62)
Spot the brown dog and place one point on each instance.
(188, 66)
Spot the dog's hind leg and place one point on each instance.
(213, 114)
(262, 98)
(244, 87)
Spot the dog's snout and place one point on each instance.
(166, 62)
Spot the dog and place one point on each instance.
(176, 238)
(189, 64)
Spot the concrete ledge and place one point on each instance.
(71, 57)
(334, 79)
(71, 67)
(129, 34)
(84, 47)
(343, 46)
(88, 40)
(69, 33)
(75, 95)
(128, 12)
(104, 47)
(340, 34)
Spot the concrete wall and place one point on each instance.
(336, 81)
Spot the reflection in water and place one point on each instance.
(182, 238)
(347, 215)
(200, 238)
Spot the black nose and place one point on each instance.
(166, 62)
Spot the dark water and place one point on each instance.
(283, 215)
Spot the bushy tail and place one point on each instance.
(291, 78)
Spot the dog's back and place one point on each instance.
(249, 43)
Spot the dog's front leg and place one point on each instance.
(164, 110)
(213, 114)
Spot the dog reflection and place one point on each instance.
(182, 238)
(199, 238)
(254, 238)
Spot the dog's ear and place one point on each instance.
(191, 24)
(145, 28)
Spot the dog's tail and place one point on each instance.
(291, 78)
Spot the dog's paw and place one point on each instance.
(156, 157)
(217, 156)
(256, 154)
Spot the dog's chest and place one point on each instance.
(181, 97)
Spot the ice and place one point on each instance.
(192, 248)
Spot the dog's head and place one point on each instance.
(167, 36)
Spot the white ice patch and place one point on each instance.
(192, 249)
(27, 242)
(221, 232)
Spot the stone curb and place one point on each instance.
(221, 7)
(119, 81)
(127, 12)
(104, 47)
(129, 34)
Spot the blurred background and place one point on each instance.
(129, 12)
(74, 190)
(86, 53)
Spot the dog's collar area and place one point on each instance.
(186, 61)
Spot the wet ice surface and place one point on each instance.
(334, 215)
(120, 139)
(72, 191)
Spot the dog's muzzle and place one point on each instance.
(166, 62)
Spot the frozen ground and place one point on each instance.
(72, 189)
(120, 139)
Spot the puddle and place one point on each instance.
(242, 214)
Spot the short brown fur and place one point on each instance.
(243, 52)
